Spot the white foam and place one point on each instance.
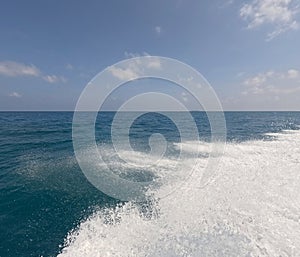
(252, 209)
(194, 146)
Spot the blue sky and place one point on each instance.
(248, 50)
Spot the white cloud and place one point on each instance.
(15, 69)
(123, 74)
(154, 63)
(134, 55)
(259, 79)
(158, 30)
(270, 90)
(280, 14)
(131, 55)
(273, 82)
(15, 94)
(293, 74)
(136, 67)
(54, 79)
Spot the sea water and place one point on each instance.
(251, 208)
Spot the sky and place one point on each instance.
(249, 51)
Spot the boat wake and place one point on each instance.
(252, 208)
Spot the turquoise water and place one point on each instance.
(44, 196)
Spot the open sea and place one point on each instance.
(251, 208)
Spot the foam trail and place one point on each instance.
(251, 209)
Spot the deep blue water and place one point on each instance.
(44, 194)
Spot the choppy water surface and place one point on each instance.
(49, 208)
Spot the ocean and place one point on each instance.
(251, 208)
